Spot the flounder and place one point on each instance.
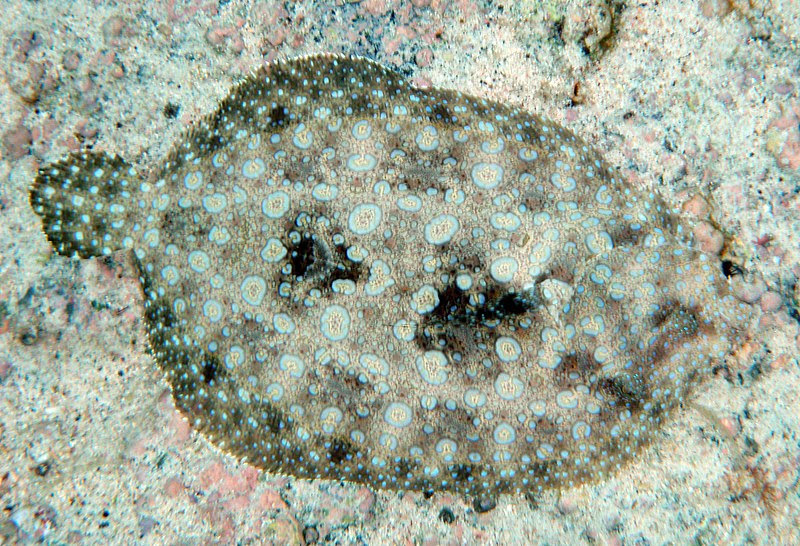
(348, 277)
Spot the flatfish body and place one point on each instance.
(347, 277)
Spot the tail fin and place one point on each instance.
(85, 202)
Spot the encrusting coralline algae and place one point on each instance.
(347, 277)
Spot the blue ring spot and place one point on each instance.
(490, 147)
(504, 434)
(325, 192)
(149, 237)
(253, 168)
(193, 180)
(219, 159)
(507, 221)
(361, 162)
(364, 218)
(293, 365)
(528, 154)
(447, 448)
(335, 323)
(507, 387)
(170, 274)
(432, 367)
(235, 357)
(581, 430)
(425, 300)
(486, 175)
(275, 204)
(219, 235)
(215, 203)
(330, 417)
(601, 354)
(274, 391)
(409, 203)
(503, 269)
(507, 348)
(283, 323)
(598, 242)
(602, 195)
(567, 399)
(212, 310)
(362, 130)
(398, 414)
(273, 251)
(199, 261)
(474, 398)
(464, 281)
(427, 139)
(253, 289)
(303, 138)
(441, 229)
(404, 330)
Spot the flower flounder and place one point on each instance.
(348, 277)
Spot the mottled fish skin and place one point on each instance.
(347, 277)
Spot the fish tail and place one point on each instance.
(85, 201)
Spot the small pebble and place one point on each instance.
(28, 338)
(748, 291)
(566, 506)
(697, 207)
(42, 468)
(729, 425)
(612, 522)
(484, 505)
(447, 515)
(146, 524)
(71, 60)
(708, 238)
(5, 369)
(310, 534)
(424, 57)
(21, 518)
(770, 301)
(17, 141)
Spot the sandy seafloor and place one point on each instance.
(694, 100)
